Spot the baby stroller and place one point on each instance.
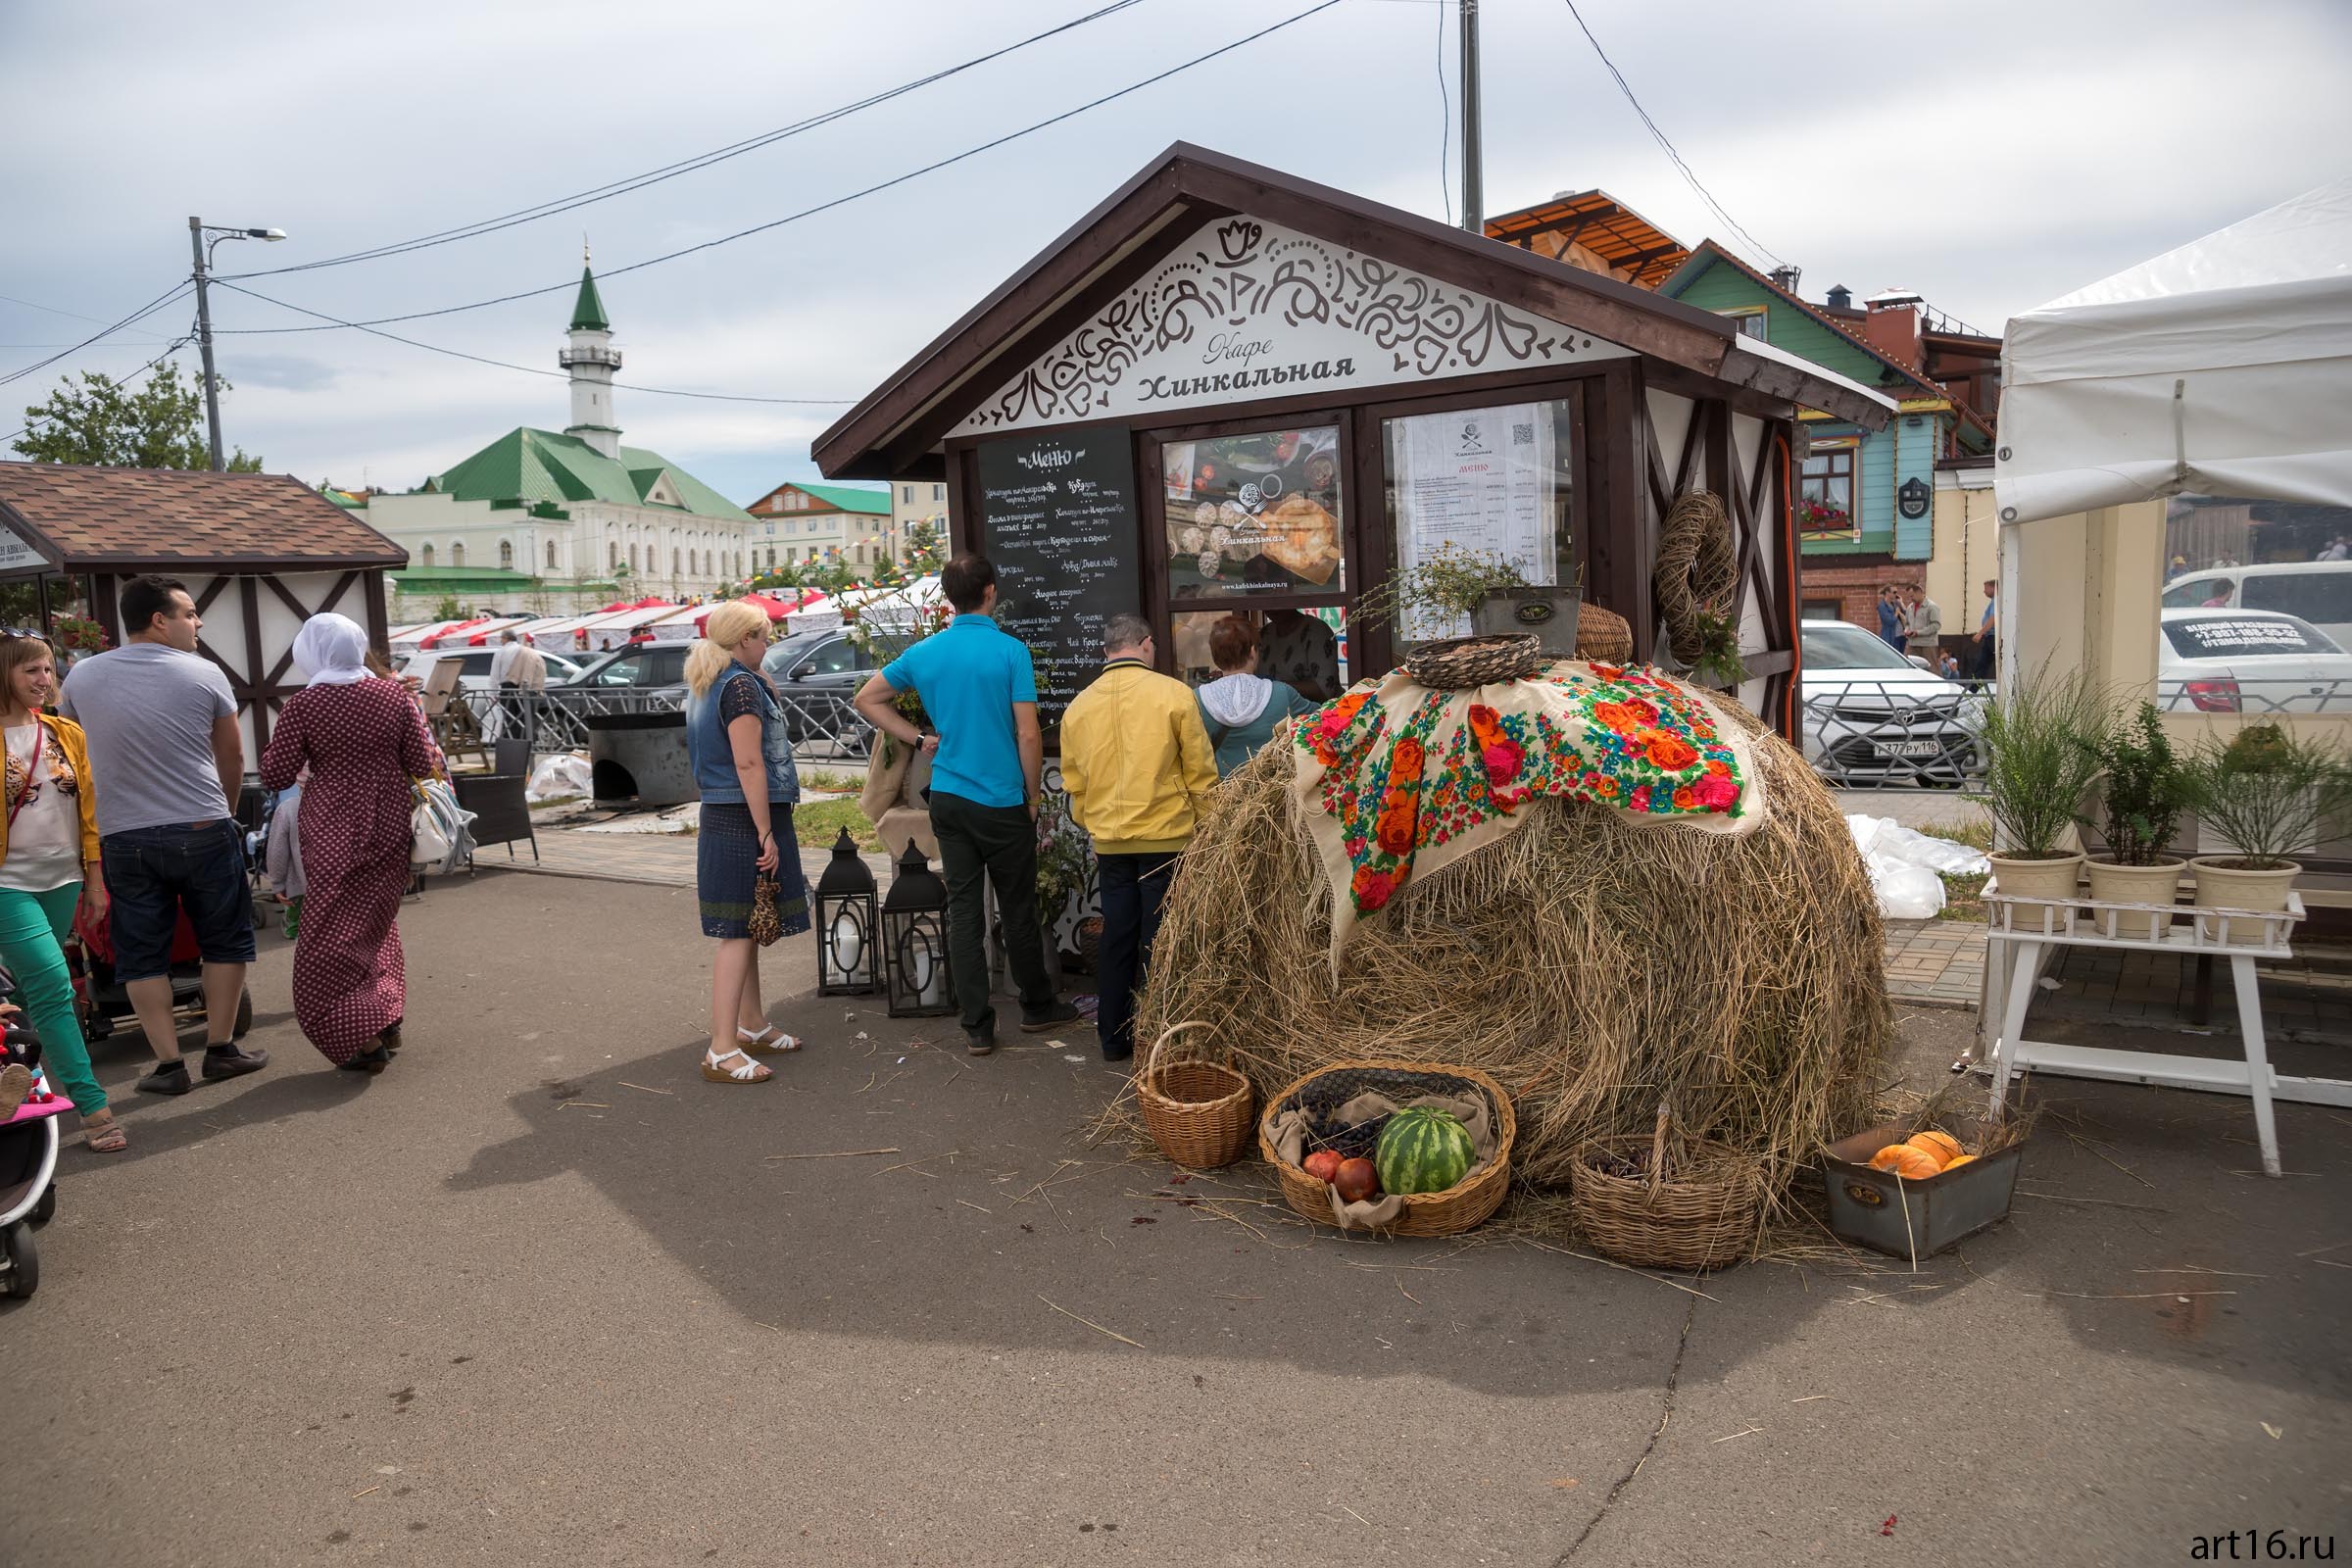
(27, 1168)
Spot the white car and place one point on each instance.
(2249, 662)
(1872, 718)
(475, 665)
(2317, 591)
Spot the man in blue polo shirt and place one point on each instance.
(988, 758)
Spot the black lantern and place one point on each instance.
(847, 918)
(914, 929)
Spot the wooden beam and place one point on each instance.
(249, 593)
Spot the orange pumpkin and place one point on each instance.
(1911, 1164)
(1942, 1146)
(1957, 1163)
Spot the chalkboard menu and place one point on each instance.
(1057, 518)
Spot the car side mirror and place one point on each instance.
(805, 671)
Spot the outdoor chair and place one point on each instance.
(454, 726)
(501, 814)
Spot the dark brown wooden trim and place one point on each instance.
(379, 613)
(249, 594)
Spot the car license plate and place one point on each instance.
(1925, 748)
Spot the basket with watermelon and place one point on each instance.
(1421, 1154)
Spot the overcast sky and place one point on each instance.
(1991, 155)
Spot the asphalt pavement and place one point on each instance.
(542, 1294)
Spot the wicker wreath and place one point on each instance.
(1697, 570)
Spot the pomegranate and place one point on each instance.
(1356, 1180)
(1323, 1165)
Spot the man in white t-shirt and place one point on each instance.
(167, 761)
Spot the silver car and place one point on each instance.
(1872, 718)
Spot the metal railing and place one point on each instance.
(2229, 695)
(823, 726)
(1865, 734)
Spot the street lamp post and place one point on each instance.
(197, 230)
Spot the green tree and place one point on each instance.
(158, 424)
(925, 551)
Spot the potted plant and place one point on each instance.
(2271, 794)
(1431, 598)
(2145, 793)
(2036, 771)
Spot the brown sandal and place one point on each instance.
(104, 1137)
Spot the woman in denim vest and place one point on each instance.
(735, 737)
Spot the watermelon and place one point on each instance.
(1423, 1149)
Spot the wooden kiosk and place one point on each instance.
(261, 554)
(1229, 390)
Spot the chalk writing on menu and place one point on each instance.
(1058, 520)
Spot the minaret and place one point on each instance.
(592, 358)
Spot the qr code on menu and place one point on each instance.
(1523, 436)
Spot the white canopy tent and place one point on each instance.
(2223, 368)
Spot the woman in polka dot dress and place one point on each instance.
(362, 741)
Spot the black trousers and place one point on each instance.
(1133, 888)
(980, 845)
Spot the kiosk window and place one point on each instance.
(1482, 486)
(1254, 514)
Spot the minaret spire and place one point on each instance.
(591, 359)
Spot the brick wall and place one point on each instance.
(1855, 592)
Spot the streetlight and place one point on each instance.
(197, 230)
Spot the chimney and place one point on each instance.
(1784, 277)
(1840, 298)
(1892, 326)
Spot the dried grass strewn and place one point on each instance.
(1594, 967)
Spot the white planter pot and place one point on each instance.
(2222, 886)
(2052, 878)
(2111, 883)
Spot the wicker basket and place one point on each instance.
(1459, 663)
(1603, 635)
(1447, 1214)
(1707, 1221)
(1197, 1112)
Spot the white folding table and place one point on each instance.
(2025, 933)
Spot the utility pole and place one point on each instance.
(204, 341)
(1473, 193)
(197, 229)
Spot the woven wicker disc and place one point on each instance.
(1697, 569)
(1460, 663)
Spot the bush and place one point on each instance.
(2146, 790)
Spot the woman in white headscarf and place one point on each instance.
(363, 742)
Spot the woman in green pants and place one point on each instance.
(48, 866)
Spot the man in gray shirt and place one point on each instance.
(168, 763)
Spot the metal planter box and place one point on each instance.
(1549, 613)
(1868, 1206)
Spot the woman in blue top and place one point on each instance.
(742, 755)
(1240, 708)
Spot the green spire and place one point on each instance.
(588, 312)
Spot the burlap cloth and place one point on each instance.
(897, 797)
(1292, 1130)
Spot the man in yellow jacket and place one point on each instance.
(1138, 769)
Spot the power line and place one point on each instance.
(36, 305)
(141, 315)
(578, 199)
(527, 370)
(1622, 86)
(170, 349)
(822, 207)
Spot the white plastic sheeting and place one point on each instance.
(2223, 368)
(1904, 863)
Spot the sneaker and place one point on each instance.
(169, 1078)
(979, 1042)
(231, 1062)
(1053, 1017)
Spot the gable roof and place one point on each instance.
(849, 497)
(1916, 385)
(532, 467)
(588, 311)
(81, 518)
(1602, 224)
(894, 430)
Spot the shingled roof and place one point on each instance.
(81, 518)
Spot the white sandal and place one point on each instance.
(768, 1042)
(716, 1069)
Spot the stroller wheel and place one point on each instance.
(24, 1275)
(47, 1206)
(244, 1025)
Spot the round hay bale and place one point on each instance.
(1592, 966)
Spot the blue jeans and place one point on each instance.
(153, 873)
(1133, 887)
